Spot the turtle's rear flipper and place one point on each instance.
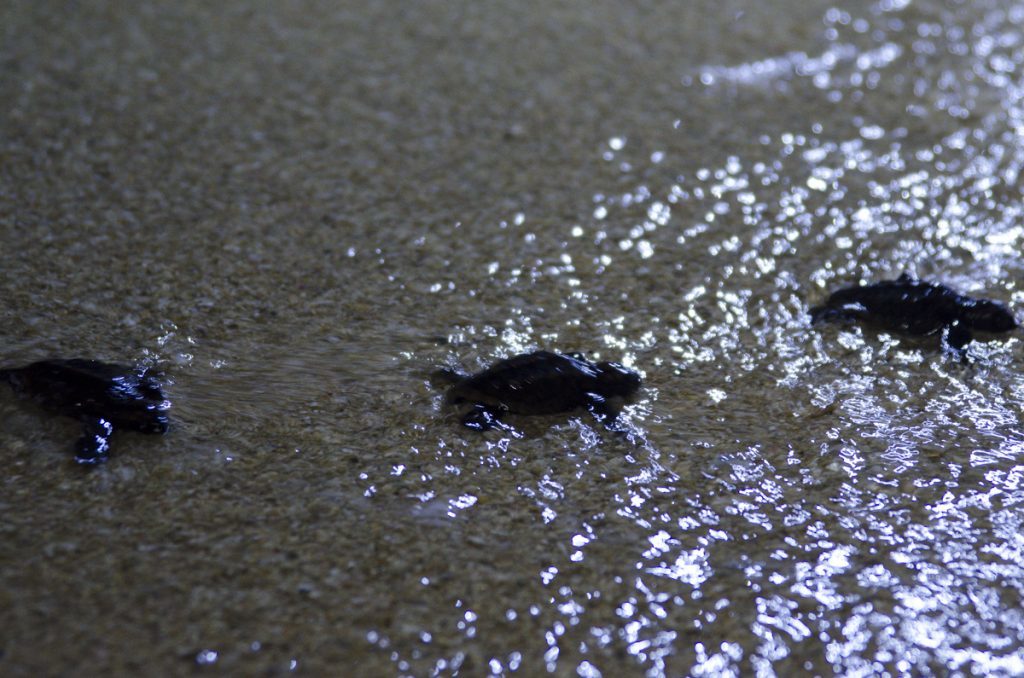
(92, 448)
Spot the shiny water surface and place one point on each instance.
(299, 212)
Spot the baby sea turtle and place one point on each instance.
(540, 383)
(105, 397)
(916, 307)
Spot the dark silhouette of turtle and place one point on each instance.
(919, 308)
(105, 397)
(540, 383)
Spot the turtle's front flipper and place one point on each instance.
(605, 412)
(955, 338)
(958, 336)
(482, 418)
(93, 446)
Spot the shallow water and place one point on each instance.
(298, 211)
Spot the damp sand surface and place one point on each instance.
(299, 210)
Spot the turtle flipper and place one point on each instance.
(92, 448)
(604, 411)
(955, 338)
(481, 418)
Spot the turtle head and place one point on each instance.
(138, 403)
(446, 377)
(615, 380)
(989, 316)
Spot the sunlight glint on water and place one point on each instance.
(853, 524)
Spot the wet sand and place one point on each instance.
(299, 210)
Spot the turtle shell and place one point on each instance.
(903, 305)
(533, 383)
(125, 396)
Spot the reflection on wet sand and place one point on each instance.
(349, 215)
